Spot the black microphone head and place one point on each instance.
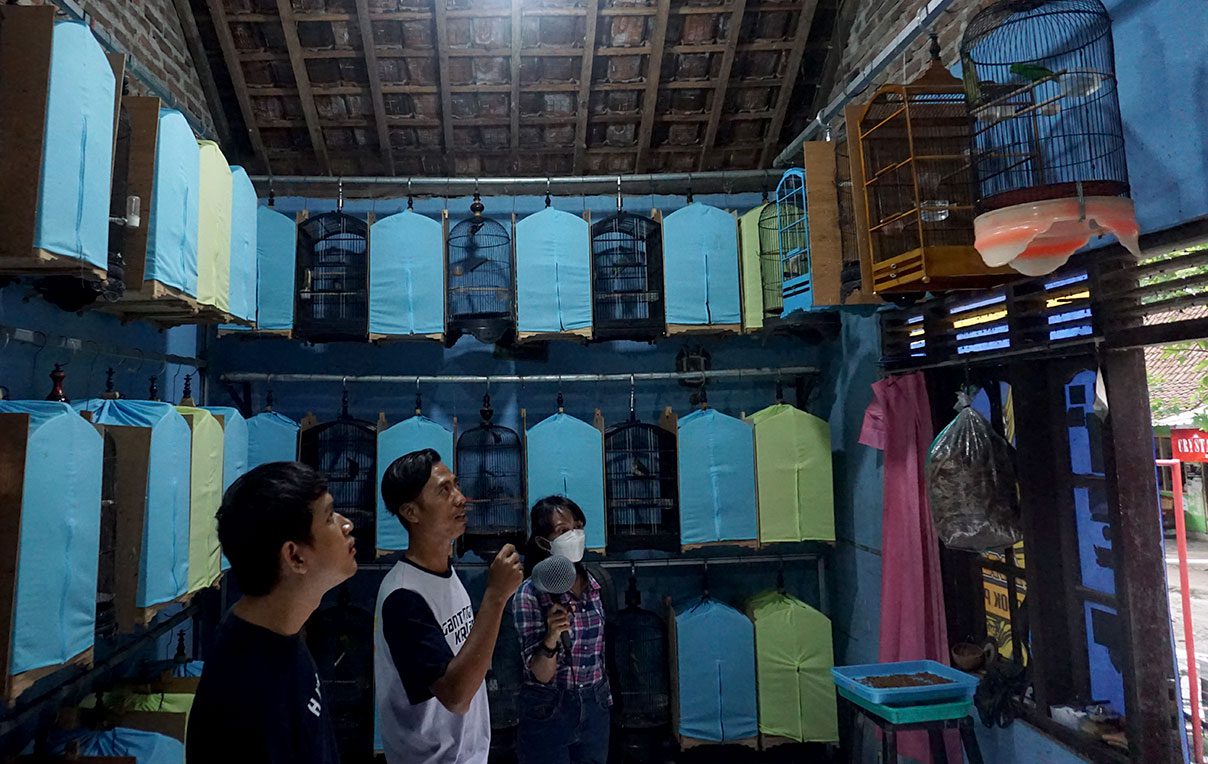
(554, 575)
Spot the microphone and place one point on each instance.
(555, 575)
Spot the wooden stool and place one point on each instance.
(891, 720)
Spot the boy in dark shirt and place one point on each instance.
(259, 699)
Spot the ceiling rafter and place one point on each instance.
(733, 32)
(230, 55)
(805, 21)
(583, 101)
(289, 28)
(654, 68)
(514, 104)
(375, 83)
(442, 53)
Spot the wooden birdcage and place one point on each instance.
(490, 466)
(771, 274)
(332, 278)
(642, 690)
(627, 277)
(341, 640)
(641, 485)
(344, 450)
(913, 144)
(480, 279)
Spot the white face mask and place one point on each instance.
(570, 545)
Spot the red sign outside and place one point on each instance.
(1189, 445)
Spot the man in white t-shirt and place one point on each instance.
(431, 653)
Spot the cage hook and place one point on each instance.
(419, 400)
(561, 400)
(186, 394)
(153, 388)
(704, 579)
(410, 198)
(632, 399)
(780, 576)
(934, 49)
(689, 195)
(779, 389)
(548, 201)
(1081, 202)
(619, 204)
(272, 195)
(766, 190)
(340, 194)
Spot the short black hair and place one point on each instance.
(405, 478)
(263, 509)
(541, 523)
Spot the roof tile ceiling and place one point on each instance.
(680, 86)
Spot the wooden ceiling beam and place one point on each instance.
(442, 52)
(654, 67)
(585, 74)
(230, 54)
(805, 20)
(201, 62)
(514, 96)
(375, 83)
(289, 28)
(733, 32)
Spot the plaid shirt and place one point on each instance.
(585, 666)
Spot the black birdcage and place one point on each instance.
(490, 467)
(641, 669)
(73, 293)
(627, 277)
(641, 489)
(771, 272)
(480, 278)
(333, 278)
(1039, 77)
(504, 681)
(341, 640)
(344, 450)
(850, 277)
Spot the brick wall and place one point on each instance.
(875, 25)
(150, 32)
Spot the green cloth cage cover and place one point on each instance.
(205, 495)
(793, 475)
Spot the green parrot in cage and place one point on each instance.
(1032, 72)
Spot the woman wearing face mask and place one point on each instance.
(565, 700)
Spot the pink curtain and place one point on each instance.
(913, 626)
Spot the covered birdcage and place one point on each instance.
(271, 437)
(412, 434)
(407, 283)
(480, 278)
(344, 450)
(506, 677)
(332, 278)
(713, 673)
(341, 640)
(757, 301)
(1047, 137)
(793, 238)
(627, 277)
(565, 458)
(642, 690)
(700, 267)
(490, 466)
(641, 496)
(913, 142)
(276, 262)
(716, 480)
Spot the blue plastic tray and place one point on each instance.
(962, 685)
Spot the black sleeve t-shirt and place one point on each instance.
(259, 700)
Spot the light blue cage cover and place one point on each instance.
(143, 747)
(276, 242)
(271, 437)
(409, 435)
(700, 266)
(55, 616)
(553, 272)
(234, 449)
(566, 458)
(715, 646)
(164, 568)
(716, 478)
(77, 163)
(406, 277)
(175, 212)
(243, 245)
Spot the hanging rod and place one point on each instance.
(471, 379)
(655, 562)
(635, 185)
(73, 344)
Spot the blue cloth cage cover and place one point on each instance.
(276, 238)
(271, 437)
(407, 277)
(54, 618)
(716, 479)
(700, 268)
(123, 742)
(234, 449)
(409, 435)
(174, 215)
(715, 673)
(792, 223)
(243, 245)
(553, 274)
(565, 457)
(77, 159)
(164, 566)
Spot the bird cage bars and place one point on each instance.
(914, 141)
(333, 277)
(792, 232)
(771, 273)
(490, 466)
(344, 451)
(641, 485)
(481, 285)
(641, 663)
(1040, 80)
(627, 276)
